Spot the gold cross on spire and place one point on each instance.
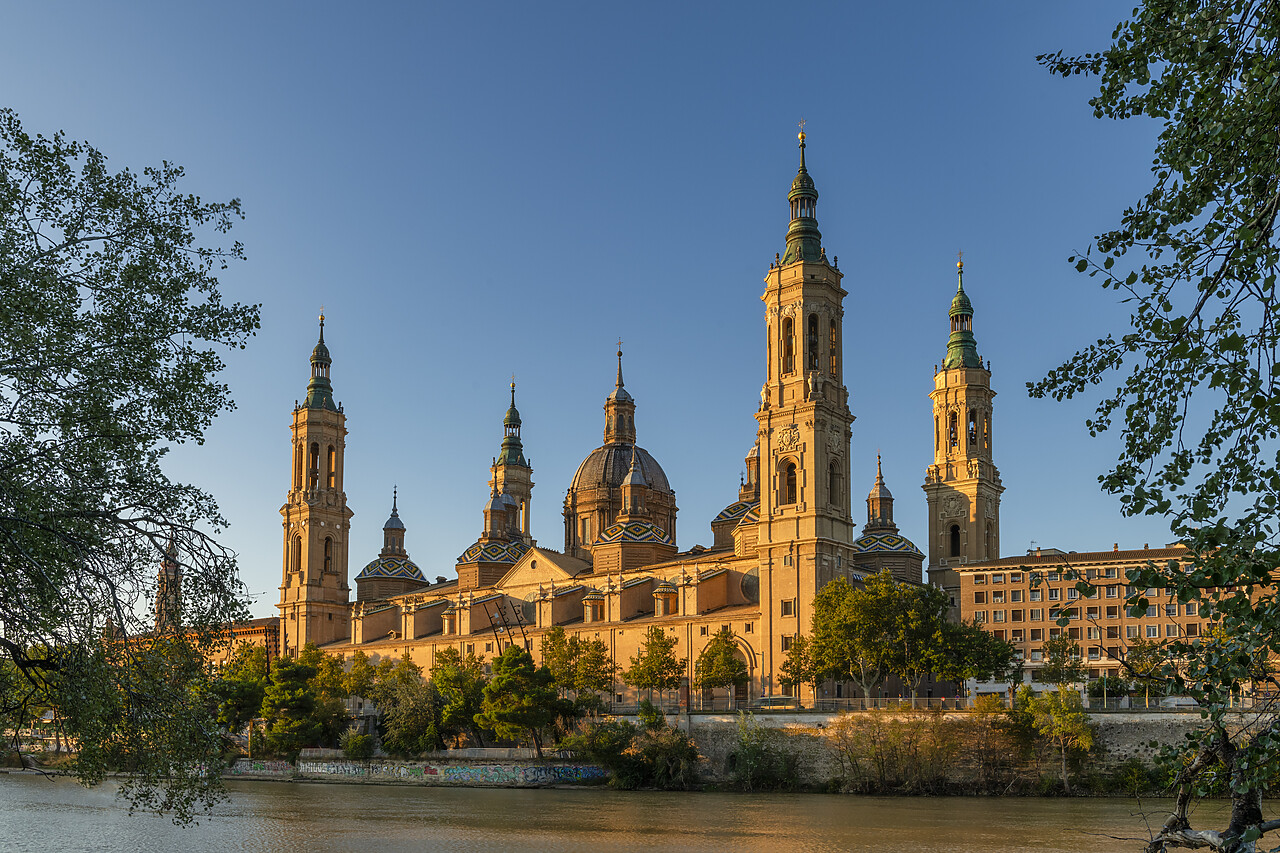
(802, 125)
(960, 260)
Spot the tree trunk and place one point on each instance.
(537, 743)
(1066, 782)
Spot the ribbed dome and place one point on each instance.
(608, 466)
(735, 511)
(886, 542)
(400, 568)
(961, 304)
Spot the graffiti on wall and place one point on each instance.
(259, 767)
(495, 774)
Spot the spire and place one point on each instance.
(393, 530)
(962, 347)
(620, 411)
(633, 487)
(512, 452)
(804, 240)
(880, 502)
(319, 391)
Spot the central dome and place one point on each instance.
(607, 467)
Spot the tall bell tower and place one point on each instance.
(804, 427)
(314, 594)
(962, 485)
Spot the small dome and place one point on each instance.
(961, 304)
(735, 511)
(494, 552)
(513, 417)
(607, 466)
(399, 568)
(886, 543)
(664, 588)
(750, 517)
(593, 595)
(634, 531)
(393, 523)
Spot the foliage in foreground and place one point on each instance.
(651, 756)
(1197, 374)
(111, 333)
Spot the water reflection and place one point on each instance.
(43, 816)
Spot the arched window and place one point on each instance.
(834, 346)
(297, 467)
(333, 468)
(811, 343)
(953, 438)
(991, 542)
(834, 490)
(937, 434)
(295, 554)
(789, 491)
(955, 540)
(973, 428)
(788, 345)
(328, 554)
(986, 430)
(313, 466)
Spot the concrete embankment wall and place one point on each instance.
(470, 774)
(1119, 736)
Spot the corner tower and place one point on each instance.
(804, 426)
(962, 485)
(512, 473)
(314, 593)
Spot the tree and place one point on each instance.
(798, 666)
(719, 665)
(1060, 717)
(967, 651)
(560, 654)
(1197, 388)
(1062, 664)
(111, 324)
(848, 637)
(520, 699)
(594, 674)
(290, 708)
(655, 666)
(241, 687)
(358, 679)
(412, 710)
(461, 681)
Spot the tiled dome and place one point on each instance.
(608, 466)
(399, 568)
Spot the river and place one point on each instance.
(39, 815)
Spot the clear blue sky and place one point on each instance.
(477, 189)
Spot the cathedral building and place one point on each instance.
(789, 530)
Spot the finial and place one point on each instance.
(879, 476)
(321, 324)
(960, 260)
(619, 362)
(800, 136)
(513, 390)
(394, 497)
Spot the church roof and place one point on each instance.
(494, 552)
(607, 466)
(400, 568)
(633, 531)
(885, 542)
(735, 511)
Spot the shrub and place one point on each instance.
(356, 746)
(760, 762)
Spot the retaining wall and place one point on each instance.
(505, 774)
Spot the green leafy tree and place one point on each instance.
(520, 699)
(1060, 717)
(560, 653)
(718, 665)
(967, 651)
(111, 329)
(594, 674)
(849, 639)
(1062, 662)
(412, 710)
(358, 679)
(1196, 393)
(241, 687)
(655, 666)
(798, 666)
(289, 707)
(461, 680)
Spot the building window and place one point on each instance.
(746, 629)
(1095, 634)
(1037, 634)
(997, 597)
(1037, 595)
(997, 578)
(835, 493)
(979, 579)
(1072, 594)
(953, 436)
(811, 342)
(788, 346)
(1191, 608)
(1055, 594)
(955, 540)
(979, 598)
(786, 642)
(297, 467)
(295, 559)
(1113, 612)
(1015, 595)
(789, 490)
(997, 615)
(1037, 655)
(1193, 630)
(1131, 632)
(1092, 613)
(789, 607)
(1113, 592)
(980, 616)
(333, 468)
(328, 554)
(1171, 610)
(1171, 630)
(973, 428)
(1153, 631)
(1037, 614)
(704, 631)
(834, 346)
(488, 647)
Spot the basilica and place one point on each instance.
(790, 529)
